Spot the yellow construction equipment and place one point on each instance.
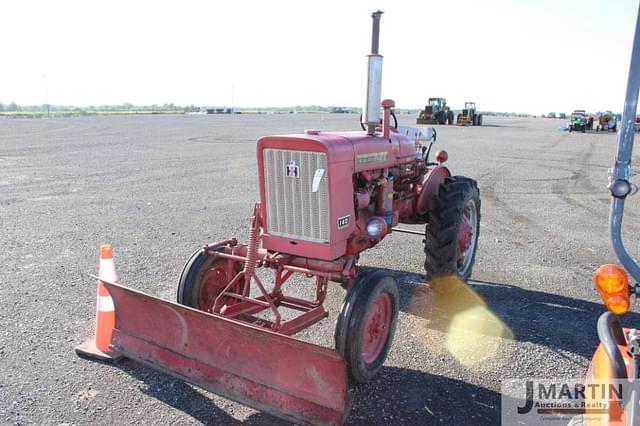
(469, 116)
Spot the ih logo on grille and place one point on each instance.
(292, 170)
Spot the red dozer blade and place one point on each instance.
(288, 378)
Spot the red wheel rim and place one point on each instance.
(213, 282)
(465, 235)
(376, 328)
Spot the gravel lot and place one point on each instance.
(158, 187)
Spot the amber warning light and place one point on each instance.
(613, 285)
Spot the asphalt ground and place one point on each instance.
(158, 187)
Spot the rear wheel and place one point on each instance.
(453, 229)
(480, 120)
(367, 323)
(204, 277)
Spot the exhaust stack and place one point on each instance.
(371, 113)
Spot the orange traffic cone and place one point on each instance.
(105, 312)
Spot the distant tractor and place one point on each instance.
(607, 122)
(436, 112)
(578, 121)
(469, 116)
(551, 115)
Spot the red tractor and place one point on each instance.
(325, 198)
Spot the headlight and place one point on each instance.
(376, 227)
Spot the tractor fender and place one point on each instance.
(611, 361)
(430, 187)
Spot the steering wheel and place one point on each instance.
(393, 114)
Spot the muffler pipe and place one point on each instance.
(371, 113)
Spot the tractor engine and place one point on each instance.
(326, 195)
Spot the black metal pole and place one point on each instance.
(622, 168)
(408, 231)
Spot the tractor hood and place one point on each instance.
(363, 151)
(308, 179)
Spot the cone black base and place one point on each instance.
(88, 349)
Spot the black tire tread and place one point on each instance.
(351, 320)
(442, 229)
(190, 269)
(187, 283)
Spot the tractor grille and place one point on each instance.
(293, 209)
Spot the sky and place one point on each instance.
(506, 55)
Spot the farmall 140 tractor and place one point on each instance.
(324, 198)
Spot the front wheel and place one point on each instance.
(204, 277)
(453, 229)
(367, 323)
